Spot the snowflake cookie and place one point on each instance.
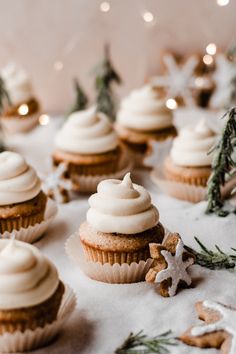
(218, 331)
(170, 265)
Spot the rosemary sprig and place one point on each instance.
(212, 259)
(140, 343)
(222, 165)
(105, 76)
(81, 99)
(4, 97)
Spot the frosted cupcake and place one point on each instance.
(189, 161)
(88, 144)
(121, 222)
(22, 113)
(143, 117)
(30, 289)
(22, 203)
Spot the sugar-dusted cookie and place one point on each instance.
(218, 331)
(169, 268)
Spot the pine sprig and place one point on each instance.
(140, 343)
(4, 98)
(222, 165)
(216, 259)
(105, 76)
(81, 99)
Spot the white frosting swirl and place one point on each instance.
(27, 278)
(87, 132)
(121, 207)
(144, 110)
(17, 84)
(18, 181)
(192, 145)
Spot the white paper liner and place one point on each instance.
(184, 191)
(32, 339)
(114, 274)
(16, 124)
(88, 184)
(32, 233)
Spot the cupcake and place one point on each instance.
(121, 222)
(22, 203)
(189, 160)
(30, 290)
(22, 112)
(144, 117)
(88, 145)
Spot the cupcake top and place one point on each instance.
(121, 207)
(17, 84)
(87, 132)
(193, 144)
(27, 278)
(18, 181)
(144, 110)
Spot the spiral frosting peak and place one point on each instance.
(121, 207)
(18, 181)
(144, 110)
(87, 132)
(27, 278)
(193, 144)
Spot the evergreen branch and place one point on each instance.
(222, 165)
(212, 259)
(140, 343)
(4, 96)
(81, 99)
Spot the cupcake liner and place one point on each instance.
(13, 125)
(32, 339)
(88, 184)
(114, 274)
(33, 233)
(21, 222)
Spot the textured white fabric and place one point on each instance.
(107, 313)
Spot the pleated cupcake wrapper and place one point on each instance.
(32, 233)
(33, 339)
(88, 184)
(184, 191)
(13, 125)
(114, 274)
(93, 170)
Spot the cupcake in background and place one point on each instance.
(143, 117)
(189, 160)
(23, 110)
(22, 203)
(90, 147)
(30, 289)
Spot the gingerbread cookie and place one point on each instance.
(169, 268)
(219, 330)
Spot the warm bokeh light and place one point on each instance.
(207, 59)
(23, 110)
(171, 103)
(44, 119)
(211, 49)
(222, 2)
(199, 81)
(148, 17)
(58, 65)
(105, 6)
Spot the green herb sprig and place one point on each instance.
(81, 99)
(140, 343)
(222, 165)
(4, 98)
(105, 76)
(216, 259)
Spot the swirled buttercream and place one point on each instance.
(144, 110)
(87, 132)
(192, 145)
(18, 181)
(17, 84)
(27, 278)
(121, 207)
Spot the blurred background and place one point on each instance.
(57, 40)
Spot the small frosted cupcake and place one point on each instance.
(22, 113)
(30, 289)
(121, 222)
(143, 117)
(189, 160)
(22, 203)
(88, 144)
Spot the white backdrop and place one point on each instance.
(39, 33)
